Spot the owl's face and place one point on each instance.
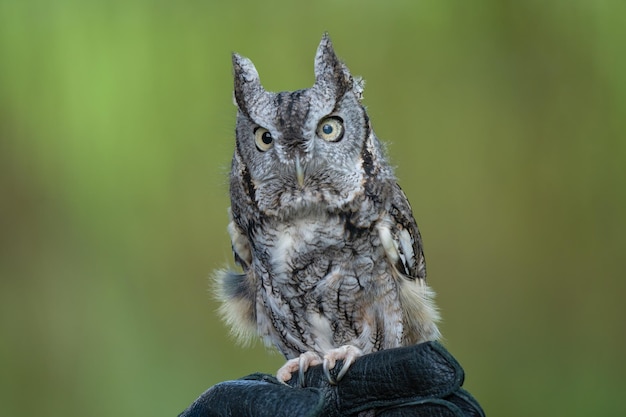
(303, 150)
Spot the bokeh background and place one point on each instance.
(506, 120)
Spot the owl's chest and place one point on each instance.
(306, 251)
(312, 275)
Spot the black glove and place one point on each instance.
(420, 380)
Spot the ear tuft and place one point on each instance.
(244, 69)
(247, 83)
(331, 74)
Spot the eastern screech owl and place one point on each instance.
(332, 258)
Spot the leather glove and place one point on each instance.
(419, 380)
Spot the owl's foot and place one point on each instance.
(299, 364)
(345, 353)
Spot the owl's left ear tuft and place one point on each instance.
(244, 69)
(330, 72)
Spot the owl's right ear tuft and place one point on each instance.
(247, 83)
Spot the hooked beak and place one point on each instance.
(299, 172)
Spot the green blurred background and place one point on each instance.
(507, 121)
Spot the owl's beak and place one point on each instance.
(299, 172)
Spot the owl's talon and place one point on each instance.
(347, 353)
(300, 364)
(302, 367)
(329, 377)
(300, 378)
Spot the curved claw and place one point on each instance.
(347, 353)
(329, 377)
(303, 365)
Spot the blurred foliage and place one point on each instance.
(507, 121)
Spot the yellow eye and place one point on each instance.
(263, 139)
(330, 129)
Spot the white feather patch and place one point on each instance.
(386, 239)
(406, 247)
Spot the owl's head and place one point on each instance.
(304, 150)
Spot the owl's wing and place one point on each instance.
(402, 241)
(240, 245)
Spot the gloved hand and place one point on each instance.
(420, 380)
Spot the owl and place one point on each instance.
(331, 258)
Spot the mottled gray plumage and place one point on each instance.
(330, 252)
